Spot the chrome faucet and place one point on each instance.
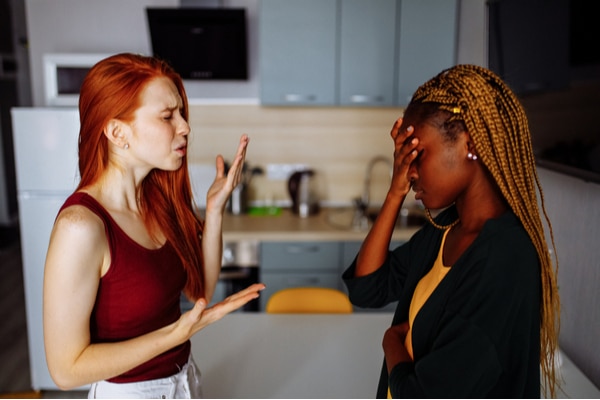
(367, 185)
(361, 219)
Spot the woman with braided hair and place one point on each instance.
(478, 305)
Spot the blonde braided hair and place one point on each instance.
(499, 129)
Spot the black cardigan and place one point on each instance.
(478, 335)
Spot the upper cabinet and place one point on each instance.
(426, 42)
(352, 52)
(297, 47)
(367, 52)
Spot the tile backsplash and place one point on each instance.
(336, 142)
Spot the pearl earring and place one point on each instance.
(127, 146)
(471, 156)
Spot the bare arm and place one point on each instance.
(375, 246)
(77, 257)
(216, 199)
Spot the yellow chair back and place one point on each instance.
(306, 300)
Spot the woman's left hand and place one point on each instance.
(201, 316)
(393, 345)
(223, 185)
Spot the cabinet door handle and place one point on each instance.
(364, 98)
(303, 281)
(302, 249)
(298, 98)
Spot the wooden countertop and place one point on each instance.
(328, 224)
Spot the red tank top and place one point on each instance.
(139, 294)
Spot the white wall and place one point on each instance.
(114, 26)
(572, 206)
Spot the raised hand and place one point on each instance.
(223, 185)
(405, 152)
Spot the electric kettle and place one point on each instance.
(302, 190)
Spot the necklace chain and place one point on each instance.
(441, 227)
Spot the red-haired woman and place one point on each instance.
(127, 242)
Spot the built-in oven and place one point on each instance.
(240, 268)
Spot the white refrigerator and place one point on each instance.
(45, 144)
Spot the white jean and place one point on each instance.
(186, 384)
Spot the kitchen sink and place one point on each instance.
(353, 219)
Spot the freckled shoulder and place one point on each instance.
(78, 242)
(81, 228)
(79, 219)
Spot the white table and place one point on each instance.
(574, 384)
(258, 355)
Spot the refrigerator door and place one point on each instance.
(36, 216)
(45, 141)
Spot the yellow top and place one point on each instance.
(424, 288)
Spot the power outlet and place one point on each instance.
(281, 172)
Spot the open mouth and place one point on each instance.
(182, 149)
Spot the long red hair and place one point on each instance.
(110, 90)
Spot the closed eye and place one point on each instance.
(419, 154)
(417, 159)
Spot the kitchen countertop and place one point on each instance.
(287, 226)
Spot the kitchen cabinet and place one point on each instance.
(297, 42)
(352, 52)
(366, 48)
(426, 42)
(289, 264)
(294, 264)
(349, 251)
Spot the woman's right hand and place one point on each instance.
(405, 152)
(200, 316)
(374, 249)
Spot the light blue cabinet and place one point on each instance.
(426, 43)
(367, 52)
(349, 251)
(294, 264)
(297, 44)
(352, 52)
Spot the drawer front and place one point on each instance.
(350, 251)
(300, 256)
(275, 281)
